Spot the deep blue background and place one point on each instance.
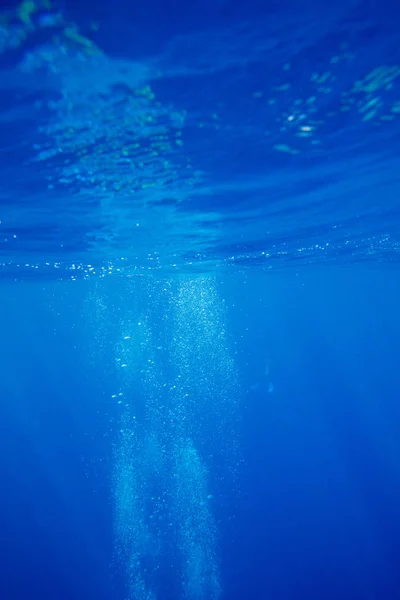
(318, 512)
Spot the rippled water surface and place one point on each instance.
(185, 138)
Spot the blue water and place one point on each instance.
(199, 291)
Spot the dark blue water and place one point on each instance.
(199, 290)
(317, 511)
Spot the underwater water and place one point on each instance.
(199, 291)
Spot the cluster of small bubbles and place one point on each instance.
(140, 499)
(161, 485)
(204, 393)
(196, 531)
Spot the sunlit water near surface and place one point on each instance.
(140, 139)
(199, 252)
